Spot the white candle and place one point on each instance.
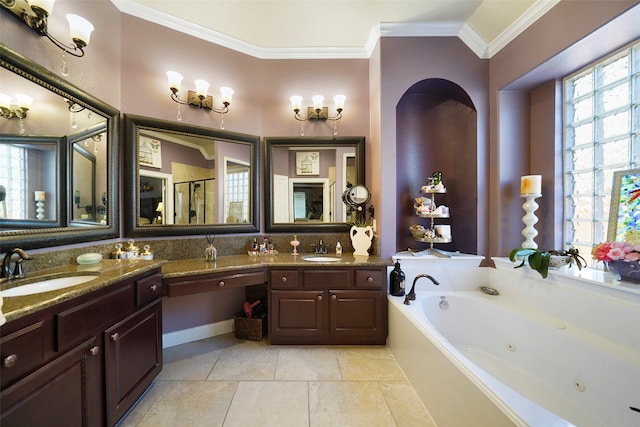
(40, 196)
(531, 184)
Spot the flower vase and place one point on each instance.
(629, 271)
(361, 239)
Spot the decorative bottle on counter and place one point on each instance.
(210, 253)
(396, 281)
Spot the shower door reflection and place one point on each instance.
(194, 202)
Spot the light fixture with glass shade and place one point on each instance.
(36, 13)
(15, 108)
(198, 98)
(319, 111)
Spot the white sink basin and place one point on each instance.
(319, 258)
(46, 285)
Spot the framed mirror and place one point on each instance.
(59, 112)
(305, 179)
(31, 187)
(189, 179)
(624, 213)
(87, 191)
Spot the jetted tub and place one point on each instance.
(519, 358)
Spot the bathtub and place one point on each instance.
(526, 357)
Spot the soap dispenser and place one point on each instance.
(396, 281)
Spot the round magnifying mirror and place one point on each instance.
(356, 195)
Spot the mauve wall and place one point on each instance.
(525, 103)
(260, 105)
(403, 63)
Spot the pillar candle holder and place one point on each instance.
(40, 209)
(530, 220)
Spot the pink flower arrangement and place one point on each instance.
(611, 251)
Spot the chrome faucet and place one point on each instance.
(18, 270)
(412, 293)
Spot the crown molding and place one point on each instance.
(539, 8)
(474, 41)
(461, 30)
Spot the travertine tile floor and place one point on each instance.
(223, 381)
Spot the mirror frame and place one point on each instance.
(616, 198)
(132, 125)
(326, 227)
(58, 236)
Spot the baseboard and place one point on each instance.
(183, 336)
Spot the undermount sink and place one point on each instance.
(46, 285)
(320, 258)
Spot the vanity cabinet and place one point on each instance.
(133, 358)
(62, 366)
(328, 305)
(65, 391)
(193, 284)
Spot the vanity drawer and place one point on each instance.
(148, 289)
(371, 279)
(77, 323)
(283, 279)
(213, 282)
(22, 351)
(326, 278)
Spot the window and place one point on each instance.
(601, 136)
(13, 178)
(236, 192)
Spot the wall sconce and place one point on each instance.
(318, 111)
(18, 108)
(36, 14)
(199, 97)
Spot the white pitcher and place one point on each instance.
(361, 239)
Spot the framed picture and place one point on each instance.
(308, 163)
(624, 213)
(149, 152)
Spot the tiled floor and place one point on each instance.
(223, 381)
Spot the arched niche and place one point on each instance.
(437, 131)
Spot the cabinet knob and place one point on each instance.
(94, 350)
(154, 288)
(334, 297)
(284, 279)
(115, 336)
(370, 279)
(319, 297)
(10, 360)
(221, 283)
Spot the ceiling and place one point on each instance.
(339, 28)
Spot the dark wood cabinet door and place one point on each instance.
(297, 314)
(65, 392)
(356, 314)
(133, 358)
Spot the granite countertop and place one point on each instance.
(190, 267)
(107, 272)
(110, 271)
